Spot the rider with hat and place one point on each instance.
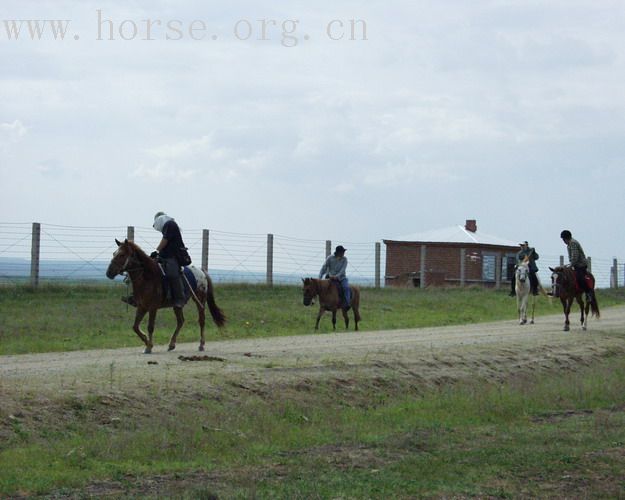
(334, 268)
(166, 252)
(532, 255)
(577, 259)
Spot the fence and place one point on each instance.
(33, 252)
(47, 252)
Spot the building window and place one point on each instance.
(489, 264)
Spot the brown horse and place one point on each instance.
(329, 300)
(147, 284)
(564, 285)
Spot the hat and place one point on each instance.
(158, 214)
(524, 243)
(340, 249)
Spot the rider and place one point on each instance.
(577, 259)
(166, 252)
(334, 268)
(532, 255)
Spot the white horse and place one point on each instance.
(522, 289)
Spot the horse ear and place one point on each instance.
(118, 243)
(126, 240)
(552, 269)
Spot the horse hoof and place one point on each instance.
(532, 322)
(201, 349)
(171, 347)
(584, 327)
(147, 350)
(566, 328)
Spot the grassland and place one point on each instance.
(554, 432)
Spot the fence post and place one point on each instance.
(589, 259)
(270, 259)
(205, 250)
(615, 271)
(328, 248)
(377, 264)
(130, 233)
(35, 251)
(463, 256)
(561, 260)
(422, 267)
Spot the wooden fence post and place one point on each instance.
(270, 259)
(130, 233)
(377, 263)
(615, 272)
(589, 259)
(422, 267)
(35, 251)
(328, 248)
(561, 260)
(205, 235)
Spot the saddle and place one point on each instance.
(185, 286)
(588, 278)
(339, 289)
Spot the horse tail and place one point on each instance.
(594, 305)
(218, 315)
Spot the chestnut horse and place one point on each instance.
(329, 300)
(564, 285)
(147, 284)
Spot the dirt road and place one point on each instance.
(430, 355)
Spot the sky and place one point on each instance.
(258, 117)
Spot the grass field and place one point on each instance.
(536, 433)
(64, 318)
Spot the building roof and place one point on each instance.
(456, 234)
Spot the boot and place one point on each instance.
(130, 300)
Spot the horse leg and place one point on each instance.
(201, 314)
(139, 315)
(151, 321)
(583, 306)
(346, 318)
(334, 319)
(566, 304)
(321, 311)
(533, 308)
(179, 323)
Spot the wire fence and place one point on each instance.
(82, 254)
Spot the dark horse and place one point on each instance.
(147, 284)
(564, 285)
(329, 300)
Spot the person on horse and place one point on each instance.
(166, 252)
(577, 260)
(532, 256)
(334, 268)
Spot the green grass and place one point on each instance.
(64, 318)
(558, 436)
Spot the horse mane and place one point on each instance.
(148, 262)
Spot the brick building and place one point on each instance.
(452, 256)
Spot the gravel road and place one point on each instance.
(429, 354)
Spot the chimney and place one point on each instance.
(471, 225)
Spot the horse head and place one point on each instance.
(522, 271)
(558, 280)
(121, 259)
(310, 291)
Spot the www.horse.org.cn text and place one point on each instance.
(287, 32)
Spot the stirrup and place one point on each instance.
(130, 300)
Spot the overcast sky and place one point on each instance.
(509, 112)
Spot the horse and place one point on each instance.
(564, 285)
(330, 300)
(146, 276)
(522, 288)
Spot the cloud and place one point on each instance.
(12, 132)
